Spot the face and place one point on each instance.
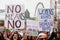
(43, 37)
(15, 36)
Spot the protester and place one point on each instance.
(5, 35)
(15, 36)
(9, 33)
(42, 36)
(53, 36)
(1, 36)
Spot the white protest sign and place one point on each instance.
(46, 19)
(32, 27)
(14, 17)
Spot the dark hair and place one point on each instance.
(1, 36)
(53, 35)
(13, 35)
(28, 37)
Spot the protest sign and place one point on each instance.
(46, 19)
(14, 17)
(32, 27)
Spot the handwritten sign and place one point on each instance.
(32, 27)
(46, 19)
(14, 17)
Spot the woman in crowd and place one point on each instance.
(15, 36)
(42, 36)
(1, 36)
(53, 36)
(5, 35)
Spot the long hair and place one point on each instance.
(1, 36)
(13, 35)
(52, 36)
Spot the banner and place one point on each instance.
(32, 27)
(46, 19)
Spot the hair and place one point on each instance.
(28, 37)
(1, 36)
(34, 37)
(13, 35)
(52, 36)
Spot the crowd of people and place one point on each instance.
(7, 35)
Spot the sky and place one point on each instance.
(28, 4)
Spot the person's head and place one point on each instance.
(15, 36)
(43, 36)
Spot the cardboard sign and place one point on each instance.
(14, 17)
(32, 27)
(46, 19)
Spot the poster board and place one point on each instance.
(46, 19)
(32, 28)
